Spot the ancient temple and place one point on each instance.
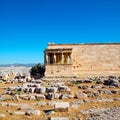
(79, 60)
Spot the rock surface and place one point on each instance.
(111, 114)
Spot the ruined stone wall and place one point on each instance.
(92, 59)
(59, 71)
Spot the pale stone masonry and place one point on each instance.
(82, 60)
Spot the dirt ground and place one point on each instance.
(73, 112)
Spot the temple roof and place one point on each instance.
(114, 43)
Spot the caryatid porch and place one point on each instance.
(58, 56)
(58, 62)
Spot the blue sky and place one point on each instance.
(26, 26)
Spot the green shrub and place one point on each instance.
(37, 71)
(74, 82)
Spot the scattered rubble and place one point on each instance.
(105, 114)
(49, 98)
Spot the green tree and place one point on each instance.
(37, 71)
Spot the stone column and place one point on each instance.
(62, 61)
(54, 58)
(70, 60)
(46, 58)
(66, 61)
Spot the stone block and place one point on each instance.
(51, 89)
(50, 96)
(63, 89)
(59, 118)
(81, 95)
(62, 106)
(40, 96)
(40, 90)
(25, 107)
(33, 112)
(2, 115)
(18, 113)
(31, 89)
(32, 97)
(42, 103)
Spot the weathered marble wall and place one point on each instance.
(89, 60)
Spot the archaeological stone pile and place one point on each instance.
(63, 98)
(15, 74)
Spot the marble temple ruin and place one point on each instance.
(82, 60)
